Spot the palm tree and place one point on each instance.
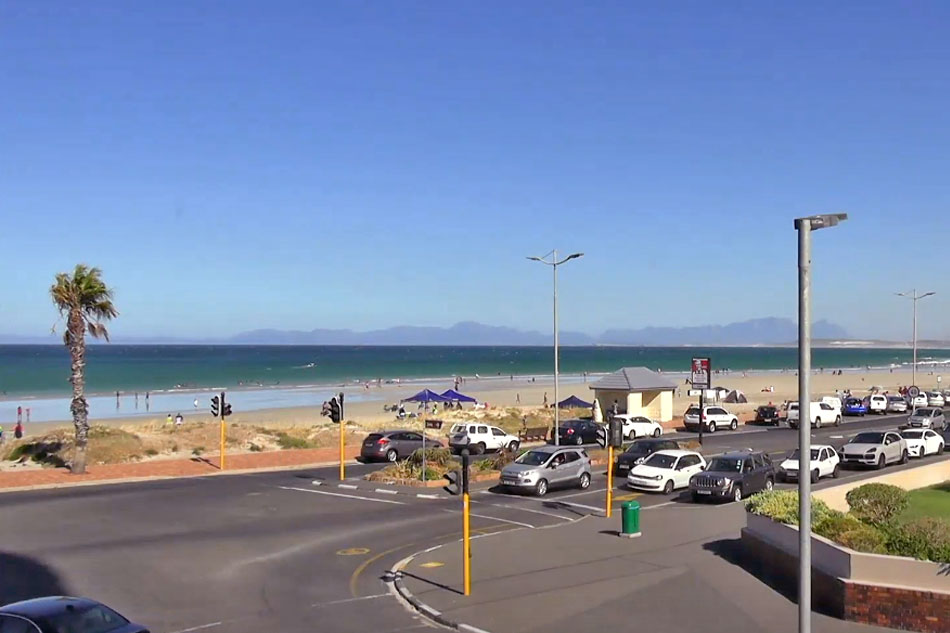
(85, 302)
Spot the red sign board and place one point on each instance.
(699, 373)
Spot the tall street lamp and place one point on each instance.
(915, 297)
(805, 226)
(551, 260)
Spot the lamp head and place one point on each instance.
(821, 221)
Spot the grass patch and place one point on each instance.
(931, 502)
(151, 452)
(286, 441)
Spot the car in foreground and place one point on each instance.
(768, 414)
(713, 419)
(578, 432)
(394, 445)
(935, 399)
(637, 452)
(635, 426)
(545, 467)
(480, 438)
(854, 406)
(927, 418)
(875, 448)
(824, 463)
(923, 442)
(62, 614)
(666, 471)
(896, 404)
(732, 476)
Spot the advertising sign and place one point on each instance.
(699, 373)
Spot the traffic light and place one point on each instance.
(616, 433)
(335, 411)
(602, 436)
(453, 487)
(215, 406)
(227, 410)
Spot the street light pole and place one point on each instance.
(915, 298)
(805, 226)
(554, 263)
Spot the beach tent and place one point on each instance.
(735, 396)
(574, 403)
(426, 396)
(454, 396)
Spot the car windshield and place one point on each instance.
(912, 435)
(868, 438)
(659, 460)
(639, 448)
(571, 424)
(924, 413)
(95, 619)
(533, 458)
(814, 454)
(725, 464)
(766, 409)
(692, 411)
(853, 402)
(894, 399)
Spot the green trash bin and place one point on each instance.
(630, 516)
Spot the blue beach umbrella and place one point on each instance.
(574, 403)
(426, 396)
(455, 396)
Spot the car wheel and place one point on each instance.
(769, 484)
(541, 488)
(578, 440)
(480, 448)
(668, 488)
(815, 476)
(656, 432)
(734, 424)
(737, 493)
(836, 471)
(817, 423)
(712, 427)
(632, 435)
(838, 421)
(584, 482)
(513, 447)
(940, 449)
(392, 455)
(881, 462)
(904, 456)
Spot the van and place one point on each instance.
(834, 401)
(821, 413)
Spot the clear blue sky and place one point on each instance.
(234, 165)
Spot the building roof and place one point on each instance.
(634, 379)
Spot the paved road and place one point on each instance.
(273, 551)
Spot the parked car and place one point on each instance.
(896, 404)
(876, 403)
(635, 426)
(834, 401)
(666, 471)
(733, 475)
(920, 400)
(922, 442)
(480, 438)
(578, 432)
(60, 614)
(875, 448)
(821, 413)
(393, 445)
(768, 414)
(927, 418)
(824, 463)
(545, 467)
(714, 418)
(935, 399)
(640, 450)
(854, 406)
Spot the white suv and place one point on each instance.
(821, 413)
(480, 438)
(635, 426)
(877, 404)
(714, 418)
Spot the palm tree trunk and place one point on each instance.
(76, 341)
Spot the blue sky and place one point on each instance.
(234, 165)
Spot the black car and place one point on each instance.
(767, 414)
(578, 432)
(733, 476)
(56, 614)
(393, 445)
(640, 450)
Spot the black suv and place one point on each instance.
(733, 476)
(767, 414)
(640, 450)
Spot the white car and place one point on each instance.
(877, 403)
(665, 471)
(714, 418)
(935, 399)
(821, 413)
(635, 426)
(920, 400)
(896, 404)
(480, 438)
(824, 463)
(921, 442)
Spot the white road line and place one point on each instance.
(578, 494)
(836, 437)
(424, 496)
(550, 514)
(579, 505)
(327, 604)
(485, 516)
(348, 486)
(340, 494)
(659, 505)
(316, 482)
(198, 628)
(387, 492)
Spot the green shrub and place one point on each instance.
(255, 448)
(864, 538)
(151, 452)
(496, 461)
(434, 457)
(877, 504)
(925, 538)
(18, 452)
(289, 441)
(834, 524)
(198, 450)
(782, 506)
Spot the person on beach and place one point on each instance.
(196, 404)
(518, 398)
(1, 435)
(168, 419)
(178, 420)
(545, 399)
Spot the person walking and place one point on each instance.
(168, 419)
(545, 399)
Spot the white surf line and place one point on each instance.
(348, 486)
(346, 600)
(199, 628)
(485, 516)
(519, 509)
(340, 494)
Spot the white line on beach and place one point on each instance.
(198, 628)
(340, 494)
(484, 516)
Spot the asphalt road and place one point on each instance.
(274, 551)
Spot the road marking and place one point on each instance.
(483, 516)
(348, 486)
(345, 600)
(579, 494)
(659, 505)
(316, 482)
(836, 437)
(340, 494)
(627, 497)
(425, 496)
(431, 564)
(353, 551)
(387, 492)
(198, 628)
(550, 514)
(468, 628)
(579, 505)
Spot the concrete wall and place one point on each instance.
(908, 479)
(657, 405)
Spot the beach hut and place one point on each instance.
(735, 396)
(637, 391)
(573, 403)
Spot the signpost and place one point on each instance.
(700, 372)
(429, 424)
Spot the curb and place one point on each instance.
(384, 491)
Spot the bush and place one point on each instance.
(434, 457)
(255, 448)
(496, 462)
(864, 538)
(151, 452)
(197, 451)
(834, 524)
(289, 441)
(782, 506)
(925, 538)
(877, 504)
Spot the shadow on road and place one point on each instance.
(25, 578)
(432, 582)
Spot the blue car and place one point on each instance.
(854, 406)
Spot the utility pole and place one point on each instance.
(915, 298)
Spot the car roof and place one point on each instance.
(391, 431)
(675, 452)
(47, 606)
(550, 448)
(653, 440)
(740, 454)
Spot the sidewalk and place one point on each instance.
(678, 576)
(164, 468)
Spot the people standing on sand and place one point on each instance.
(518, 398)
(18, 430)
(179, 420)
(168, 419)
(116, 399)
(545, 399)
(136, 399)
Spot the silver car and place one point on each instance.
(875, 448)
(545, 467)
(928, 418)
(896, 404)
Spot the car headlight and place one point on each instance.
(639, 460)
(871, 451)
(724, 482)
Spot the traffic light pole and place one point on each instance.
(610, 478)
(342, 442)
(466, 533)
(223, 431)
